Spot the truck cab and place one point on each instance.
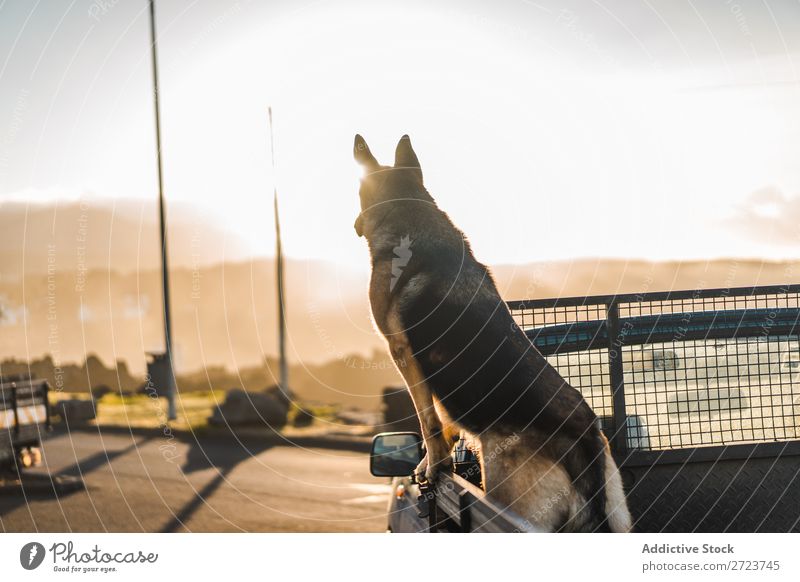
(455, 503)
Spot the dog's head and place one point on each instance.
(382, 185)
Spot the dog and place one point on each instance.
(469, 367)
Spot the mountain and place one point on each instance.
(598, 276)
(77, 281)
(92, 234)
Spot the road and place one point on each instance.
(153, 483)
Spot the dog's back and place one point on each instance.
(481, 366)
(476, 361)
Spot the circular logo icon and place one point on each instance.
(31, 555)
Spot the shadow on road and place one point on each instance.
(102, 458)
(38, 485)
(214, 455)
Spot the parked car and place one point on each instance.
(24, 420)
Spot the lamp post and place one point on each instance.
(169, 367)
(283, 382)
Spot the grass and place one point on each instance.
(144, 411)
(193, 410)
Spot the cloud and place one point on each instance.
(768, 215)
(44, 196)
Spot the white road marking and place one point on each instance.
(371, 487)
(379, 493)
(382, 499)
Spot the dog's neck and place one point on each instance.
(372, 224)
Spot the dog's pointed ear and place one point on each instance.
(363, 156)
(404, 157)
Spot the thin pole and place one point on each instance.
(162, 221)
(283, 384)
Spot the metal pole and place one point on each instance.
(162, 221)
(283, 384)
(616, 342)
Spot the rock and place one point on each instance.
(76, 412)
(241, 408)
(359, 417)
(99, 391)
(302, 418)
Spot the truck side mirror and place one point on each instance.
(395, 454)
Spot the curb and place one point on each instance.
(345, 442)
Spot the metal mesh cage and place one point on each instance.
(679, 369)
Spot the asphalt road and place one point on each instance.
(150, 483)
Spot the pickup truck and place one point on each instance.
(698, 392)
(24, 420)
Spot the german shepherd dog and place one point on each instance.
(468, 366)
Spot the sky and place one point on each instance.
(547, 130)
